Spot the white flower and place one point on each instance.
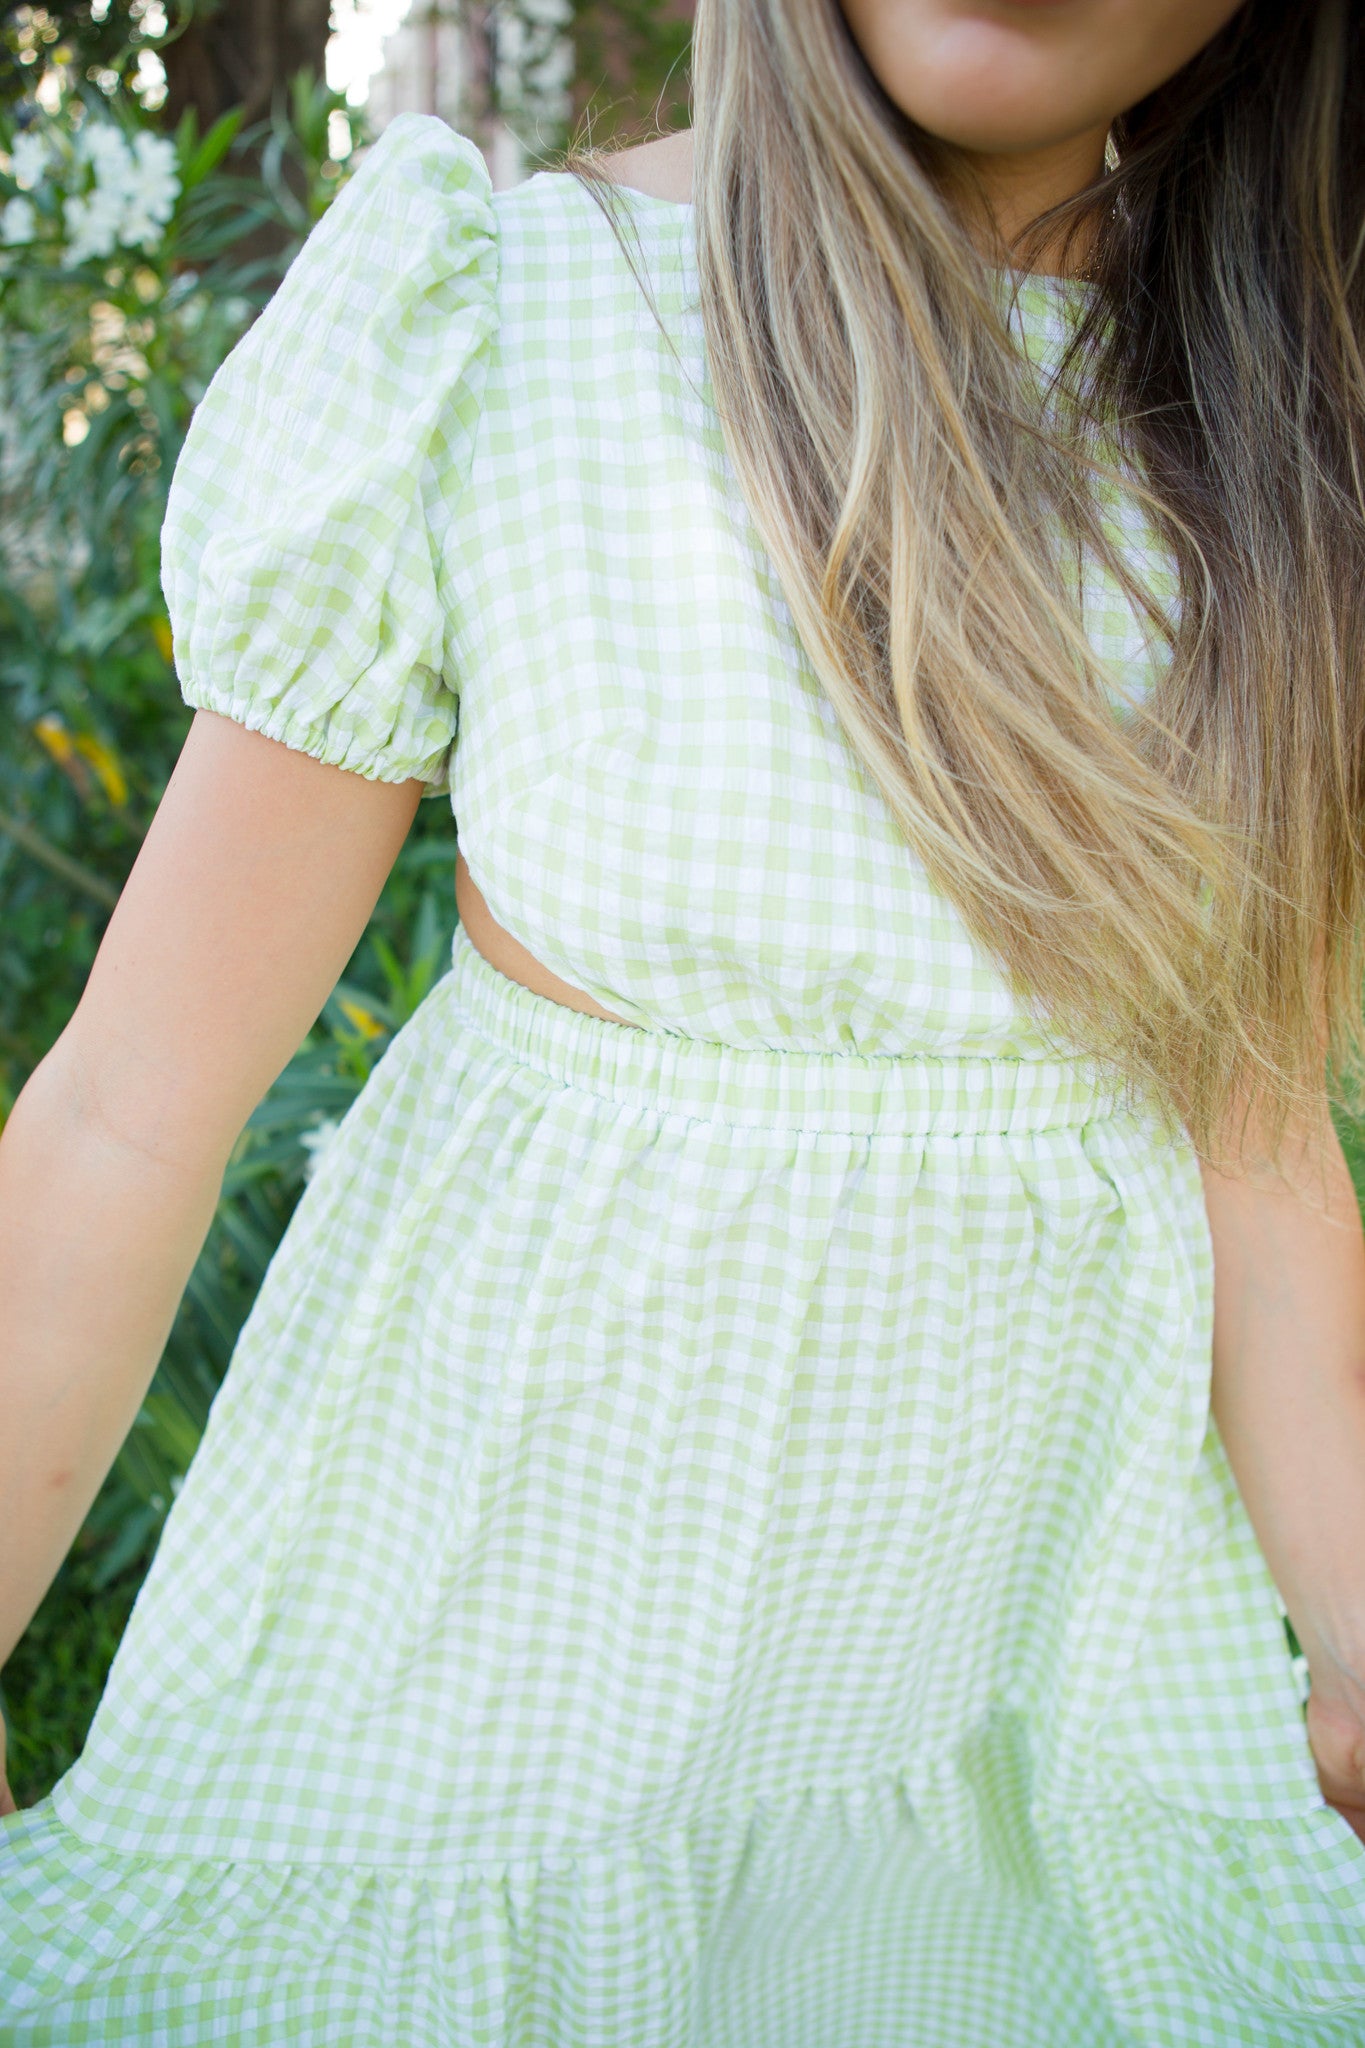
(30, 158)
(18, 222)
(135, 190)
(151, 187)
(102, 144)
(315, 1143)
(92, 224)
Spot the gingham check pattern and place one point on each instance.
(712, 1535)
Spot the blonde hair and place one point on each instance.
(1177, 895)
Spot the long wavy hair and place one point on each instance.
(1177, 891)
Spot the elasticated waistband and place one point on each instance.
(665, 1072)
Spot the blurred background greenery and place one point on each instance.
(160, 166)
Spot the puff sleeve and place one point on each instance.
(301, 547)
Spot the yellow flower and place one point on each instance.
(161, 633)
(54, 737)
(365, 1022)
(104, 761)
(64, 746)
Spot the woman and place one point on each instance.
(715, 1530)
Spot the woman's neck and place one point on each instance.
(1015, 189)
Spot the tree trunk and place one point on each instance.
(238, 52)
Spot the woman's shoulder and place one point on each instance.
(424, 190)
(661, 169)
(419, 156)
(420, 182)
(575, 254)
(297, 553)
(558, 201)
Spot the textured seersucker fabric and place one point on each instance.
(712, 1536)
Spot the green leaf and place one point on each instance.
(211, 151)
(134, 1540)
(186, 134)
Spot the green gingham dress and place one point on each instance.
(712, 1536)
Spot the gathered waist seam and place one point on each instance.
(785, 1089)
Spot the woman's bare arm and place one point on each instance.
(254, 884)
(1288, 1395)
